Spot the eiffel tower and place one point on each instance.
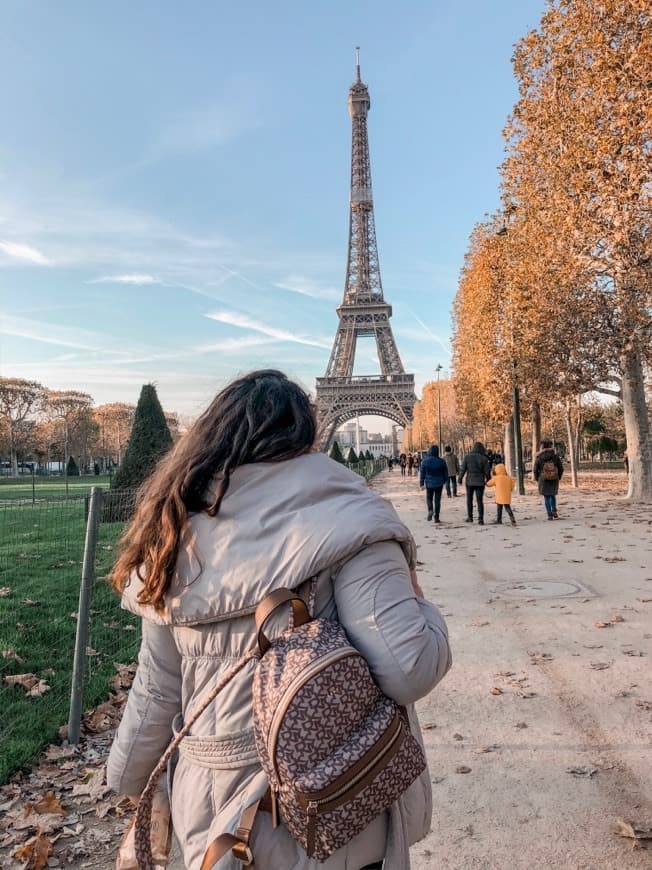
(341, 396)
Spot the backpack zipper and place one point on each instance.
(331, 799)
(297, 683)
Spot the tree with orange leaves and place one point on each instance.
(579, 168)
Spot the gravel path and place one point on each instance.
(536, 688)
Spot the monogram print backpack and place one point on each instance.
(337, 752)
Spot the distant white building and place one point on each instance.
(353, 435)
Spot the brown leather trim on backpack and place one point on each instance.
(238, 843)
(271, 603)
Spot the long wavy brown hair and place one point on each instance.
(261, 417)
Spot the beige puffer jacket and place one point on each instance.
(280, 524)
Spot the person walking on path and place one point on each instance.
(504, 485)
(453, 467)
(402, 461)
(241, 506)
(410, 464)
(477, 470)
(548, 471)
(433, 476)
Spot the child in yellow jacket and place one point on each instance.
(504, 485)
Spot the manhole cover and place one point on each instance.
(542, 589)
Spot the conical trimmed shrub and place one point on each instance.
(352, 456)
(72, 469)
(335, 452)
(149, 441)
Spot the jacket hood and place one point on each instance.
(500, 470)
(280, 524)
(434, 450)
(478, 447)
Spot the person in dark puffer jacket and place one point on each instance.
(477, 469)
(434, 473)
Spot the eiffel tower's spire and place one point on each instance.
(363, 312)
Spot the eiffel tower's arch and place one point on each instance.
(342, 396)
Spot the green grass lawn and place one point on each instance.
(49, 487)
(41, 551)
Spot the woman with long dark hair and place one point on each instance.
(240, 507)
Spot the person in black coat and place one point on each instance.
(477, 469)
(433, 475)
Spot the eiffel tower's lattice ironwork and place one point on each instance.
(340, 395)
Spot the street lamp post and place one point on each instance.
(438, 370)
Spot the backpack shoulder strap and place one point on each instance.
(143, 821)
(237, 843)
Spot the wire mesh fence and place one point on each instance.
(41, 554)
(368, 468)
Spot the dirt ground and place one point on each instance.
(539, 739)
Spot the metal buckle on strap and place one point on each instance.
(242, 853)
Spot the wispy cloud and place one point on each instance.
(307, 287)
(136, 279)
(226, 346)
(23, 253)
(440, 341)
(243, 321)
(48, 333)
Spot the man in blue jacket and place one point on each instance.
(434, 473)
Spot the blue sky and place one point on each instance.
(174, 181)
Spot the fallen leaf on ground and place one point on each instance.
(458, 737)
(428, 726)
(644, 600)
(49, 804)
(104, 717)
(521, 725)
(93, 784)
(645, 705)
(496, 691)
(599, 666)
(11, 654)
(462, 769)
(582, 771)
(31, 603)
(617, 618)
(4, 591)
(484, 749)
(633, 652)
(25, 681)
(602, 624)
(54, 753)
(634, 830)
(35, 852)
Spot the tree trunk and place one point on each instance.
(637, 427)
(510, 448)
(572, 443)
(13, 452)
(536, 433)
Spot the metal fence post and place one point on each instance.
(83, 614)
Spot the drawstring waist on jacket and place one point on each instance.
(219, 753)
